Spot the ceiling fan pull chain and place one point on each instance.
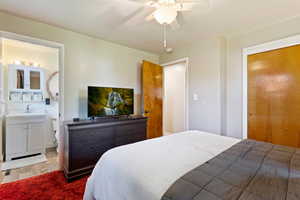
(165, 35)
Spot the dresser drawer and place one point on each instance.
(87, 146)
(83, 155)
(92, 135)
(130, 139)
(130, 129)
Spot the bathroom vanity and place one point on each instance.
(25, 83)
(24, 128)
(24, 135)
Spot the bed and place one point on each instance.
(146, 170)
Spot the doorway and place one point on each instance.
(32, 87)
(175, 93)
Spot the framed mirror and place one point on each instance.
(35, 80)
(52, 86)
(20, 79)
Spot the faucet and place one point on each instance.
(27, 108)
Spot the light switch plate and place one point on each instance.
(195, 97)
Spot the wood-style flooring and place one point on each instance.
(33, 170)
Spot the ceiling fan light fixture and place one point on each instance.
(165, 15)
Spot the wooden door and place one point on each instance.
(152, 76)
(274, 96)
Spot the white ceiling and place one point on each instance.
(122, 21)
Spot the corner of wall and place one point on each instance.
(223, 85)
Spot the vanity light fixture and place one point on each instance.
(17, 62)
(36, 64)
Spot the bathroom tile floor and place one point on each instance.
(32, 170)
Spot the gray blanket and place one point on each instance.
(249, 170)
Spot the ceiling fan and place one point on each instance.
(167, 11)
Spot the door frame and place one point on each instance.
(268, 46)
(61, 67)
(186, 101)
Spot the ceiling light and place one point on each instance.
(165, 15)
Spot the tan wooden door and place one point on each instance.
(274, 96)
(152, 81)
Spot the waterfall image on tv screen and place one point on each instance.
(105, 101)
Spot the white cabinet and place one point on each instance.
(35, 138)
(24, 78)
(24, 135)
(25, 84)
(16, 140)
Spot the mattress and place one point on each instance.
(146, 170)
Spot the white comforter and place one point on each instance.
(145, 170)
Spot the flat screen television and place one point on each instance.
(109, 101)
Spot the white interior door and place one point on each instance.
(175, 98)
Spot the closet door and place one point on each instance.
(274, 96)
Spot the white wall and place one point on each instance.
(174, 98)
(1, 83)
(234, 67)
(204, 80)
(88, 61)
(1, 98)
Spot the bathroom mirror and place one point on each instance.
(35, 80)
(52, 86)
(20, 79)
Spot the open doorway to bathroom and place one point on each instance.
(175, 98)
(30, 107)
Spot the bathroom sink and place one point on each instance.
(33, 117)
(33, 114)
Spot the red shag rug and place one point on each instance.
(50, 186)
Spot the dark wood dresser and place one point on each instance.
(86, 141)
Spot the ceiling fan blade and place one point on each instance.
(175, 25)
(149, 17)
(151, 3)
(139, 1)
(194, 1)
(187, 5)
(137, 17)
(132, 15)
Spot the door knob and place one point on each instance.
(146, 111)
